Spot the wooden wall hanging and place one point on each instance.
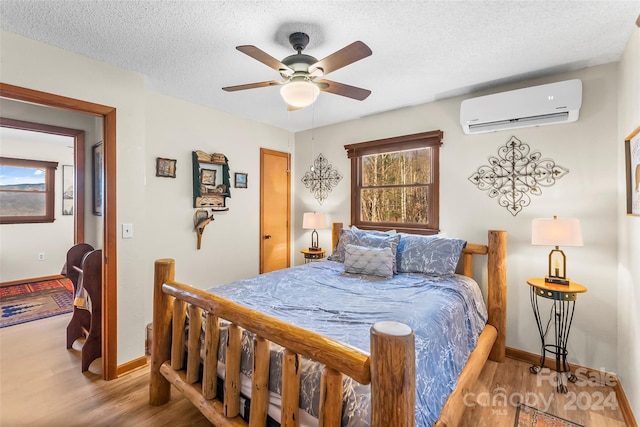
(211, 182)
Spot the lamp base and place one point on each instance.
(556, 280)
(315, 249)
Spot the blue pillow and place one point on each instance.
(361, 238)
(347, 236)
(369, 261)
(374, 232)
(429, 254)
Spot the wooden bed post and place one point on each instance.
(393, 375)
(336, 229)
(159, 387)
(497, 291)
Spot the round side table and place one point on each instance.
(564, 301)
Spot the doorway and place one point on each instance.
(275, 210)
(109, 291)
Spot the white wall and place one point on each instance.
(149, 126)
(20, 244)
(628, 230)
(588, 148)
(230, 243)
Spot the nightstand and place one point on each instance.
(312, 255)
(564, 302)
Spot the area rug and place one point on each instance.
(32, 301)
(526, 416)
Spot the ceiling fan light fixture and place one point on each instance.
(299, 94)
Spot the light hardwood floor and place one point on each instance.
(41, 385)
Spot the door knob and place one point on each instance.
(267, 236)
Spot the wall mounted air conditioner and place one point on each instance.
(532, 106)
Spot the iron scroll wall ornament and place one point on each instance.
(321, 178)
(515, 174)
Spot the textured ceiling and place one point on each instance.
(422, 50)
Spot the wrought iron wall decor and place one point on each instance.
(515, 173)
(321, 178)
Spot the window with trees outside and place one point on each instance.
(395, 183)
(26, 191)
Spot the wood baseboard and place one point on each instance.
(131, 366)
(36, 279)
(624, 405)
(603, 378)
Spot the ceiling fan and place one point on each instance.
(300, 71)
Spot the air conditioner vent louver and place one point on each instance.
(533, 106)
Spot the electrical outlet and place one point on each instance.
(41, 256)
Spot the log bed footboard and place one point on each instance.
(338, 358)
(393, 390)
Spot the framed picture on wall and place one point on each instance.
(166, 167)
(98, 174)
(241, 180)
(208, 176)
(67, 190)
(632, 161)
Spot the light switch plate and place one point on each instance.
(127, 231)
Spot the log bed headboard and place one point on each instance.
(392, 390)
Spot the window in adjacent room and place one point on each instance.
(26, 191)
(395, 183)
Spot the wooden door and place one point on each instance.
(275, 210)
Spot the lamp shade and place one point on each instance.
(299, 93)
(314, 221)
(556, 232)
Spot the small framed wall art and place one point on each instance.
(241, 180)
(166, 167)
(67, 190)
(208, 176)
(98, 173)
(632, 160)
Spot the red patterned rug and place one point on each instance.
(32, 301)
(526, 416)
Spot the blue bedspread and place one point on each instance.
(447, 314)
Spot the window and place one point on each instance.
(26, 191)
(395, 183)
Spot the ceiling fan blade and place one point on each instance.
(265, 58)
(345, 56)
(343, 89)
(252, 85)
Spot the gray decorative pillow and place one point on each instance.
(369, 261)
(362, 238)
(380, 241)
(429, 254)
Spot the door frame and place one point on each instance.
(109, 250)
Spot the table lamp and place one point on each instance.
(313, 220)
(556, 232)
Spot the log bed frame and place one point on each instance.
(392, 389)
